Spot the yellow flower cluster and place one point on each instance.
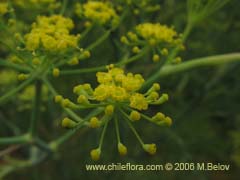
(118, 96)
(156, 33)
(3, 8)
(52, 34)
(117, 86)
(159, 37)
(98, 12)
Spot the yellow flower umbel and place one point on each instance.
(3, 8)
(101, 13)
(160, 38)
(52, 34)
(51, 45)
(117, 95)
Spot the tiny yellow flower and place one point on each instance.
(156, 87)
(122, 149)
(132, 36)
(159, 117)
(153, 96)
(104, 78)
(136, 49)
(82, 99)
(56, 72)
(132, 82)
(177, 60)
(164, 51)
(95, 154)
(138, 101)
(119, 93)
(168, 121)
(150, 148)
(58, 98)
(68, 123)
(66, 103)
(124, 40)
(101, 92)
(94, 122)
(156, 58)
(109, 110)
(74, 61)
(86, 54)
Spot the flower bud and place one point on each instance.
(158, 117)
(56, 72)
(82, 99)
(122, 149)
(94, 122)
(68, 123)
(164, 51)
(135, 116)
(156, 58)
(168, 121)
(156, 86)
(86, 54)
(150, 148)
(109, 110)
(162, 99)
(124, 40)
(136, 50)
(73, 61)
(58, 98)
(95, 154)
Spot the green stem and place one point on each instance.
(12, 92)
(94, 112)
(99, 41)
(85, 32)
(185, 35)
(101, 68)
(64, 6)
(117, 128)
(199, 62)
(132, 127)
(36, 108)
(14, 140)
(103, 133)
(14, 66)
(133, 58)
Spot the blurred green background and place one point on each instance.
(204, 105)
